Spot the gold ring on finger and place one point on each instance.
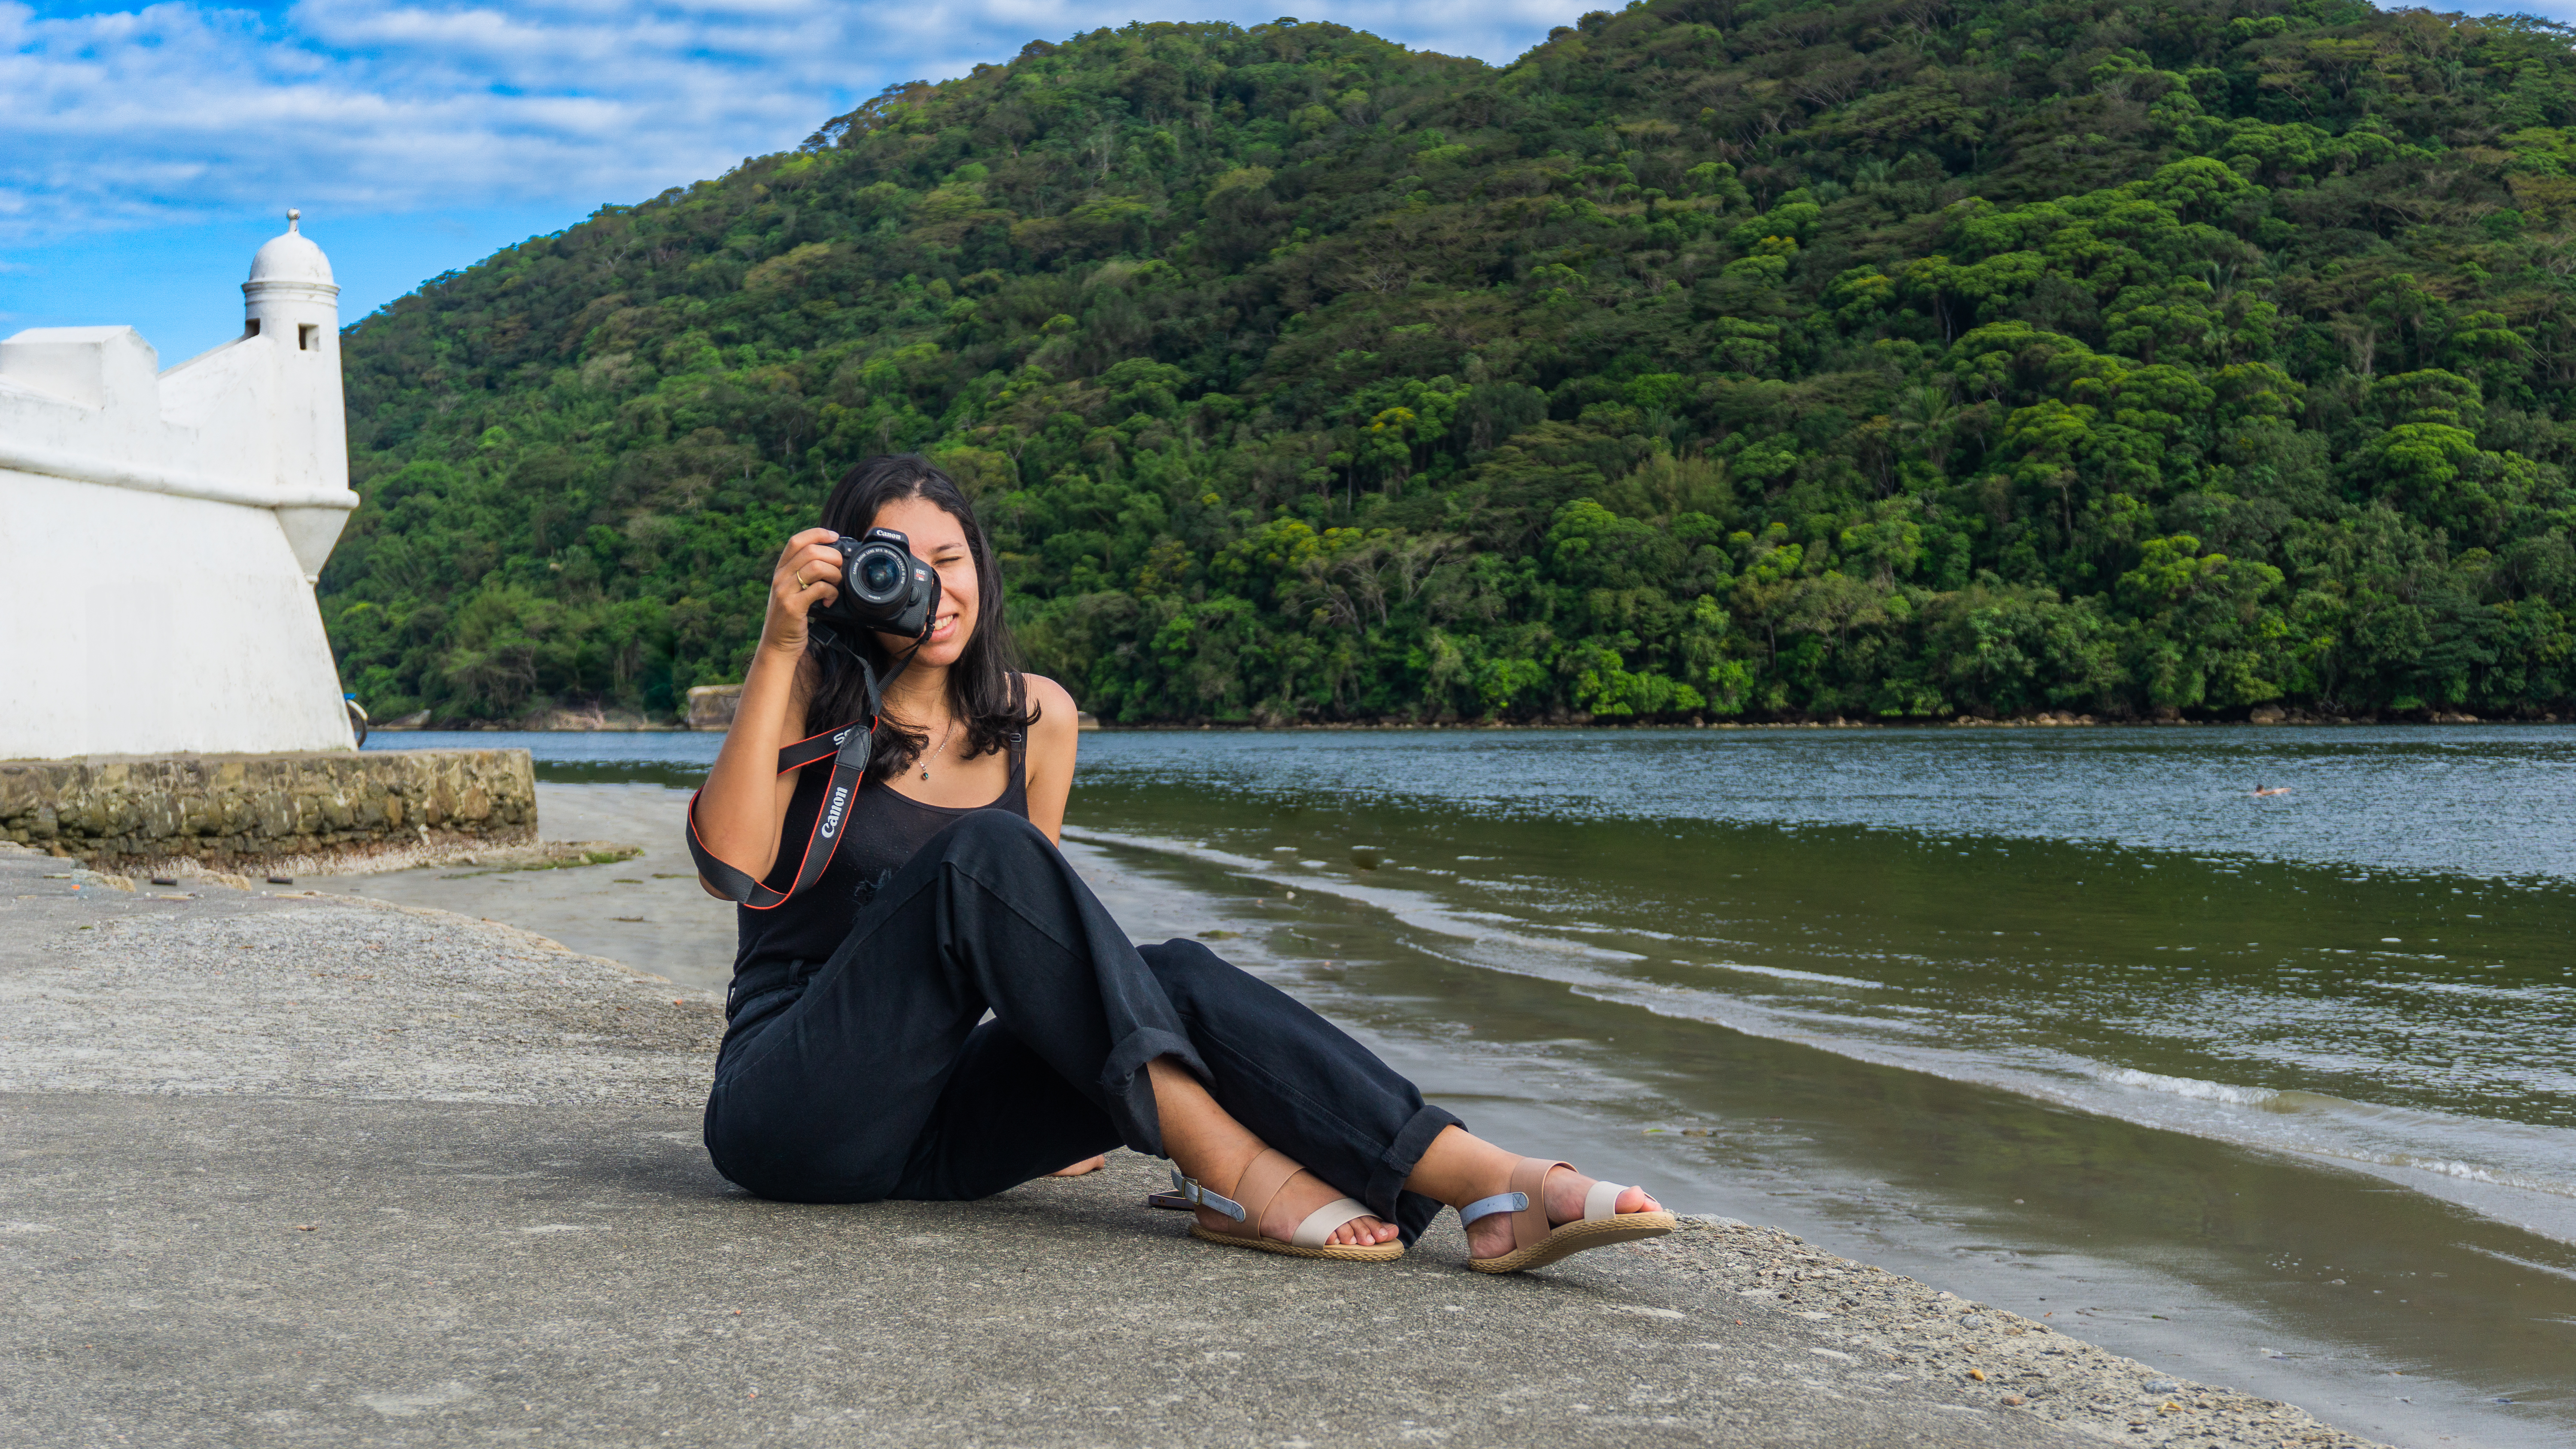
(800, 578)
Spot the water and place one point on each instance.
(2274, 1091)
(2371, 966)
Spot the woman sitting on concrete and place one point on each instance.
(856, 1063)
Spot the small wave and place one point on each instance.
(2336, 1129)
(1411, 908)
(1786, 974)
(2550, 1268)
(2192, 1087)
(2349, 1126)
(2555, 1186)
(2536, 994)
(2466, 1171)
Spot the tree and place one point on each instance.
(1963, 361)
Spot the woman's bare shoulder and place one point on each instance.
(1053, 705)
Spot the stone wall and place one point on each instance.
(712, 706)
(326, 810)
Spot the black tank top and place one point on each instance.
(779, 947)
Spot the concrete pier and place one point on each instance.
(279, 1168)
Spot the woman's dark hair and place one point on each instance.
(984, 691)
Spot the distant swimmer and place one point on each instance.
(2261, 790)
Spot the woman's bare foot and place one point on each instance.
(1211, 1146)
(1304, 1193)
(1460, 1168)
(1491, 1237)
(1088, 1164)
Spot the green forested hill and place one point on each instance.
(1895, 358)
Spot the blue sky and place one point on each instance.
(145, 152)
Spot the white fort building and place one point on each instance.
(160, 532)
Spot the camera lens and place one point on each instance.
(880, 573)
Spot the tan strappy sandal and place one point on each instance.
(1263, 1181)
(1535, 1242)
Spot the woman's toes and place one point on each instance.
(1362, 1233)
(1567, 1189)
(1305, 1194)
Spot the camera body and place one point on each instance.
(884, 589)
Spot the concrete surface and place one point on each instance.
(206, 1271)
(286, 1169)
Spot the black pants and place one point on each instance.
(876, 1081)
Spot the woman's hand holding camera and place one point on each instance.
(808, 574)
(738, 811)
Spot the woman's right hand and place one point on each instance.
(808, 574)
(743, 804)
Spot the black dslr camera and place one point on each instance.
(884, 589)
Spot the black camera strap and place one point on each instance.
(848, 749)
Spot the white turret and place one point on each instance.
(290, 301)
(229, 476)
(291, 261)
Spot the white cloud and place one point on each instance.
(176, 111)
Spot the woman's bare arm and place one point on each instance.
(742, 805)
(1052, 742)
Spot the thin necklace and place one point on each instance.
(943, 744)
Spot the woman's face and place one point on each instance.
(938, 540)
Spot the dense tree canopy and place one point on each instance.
(1890, 358)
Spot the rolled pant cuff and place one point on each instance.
(1129, 1093)
(1396, 1164)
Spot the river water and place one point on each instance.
(2275, 1091)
